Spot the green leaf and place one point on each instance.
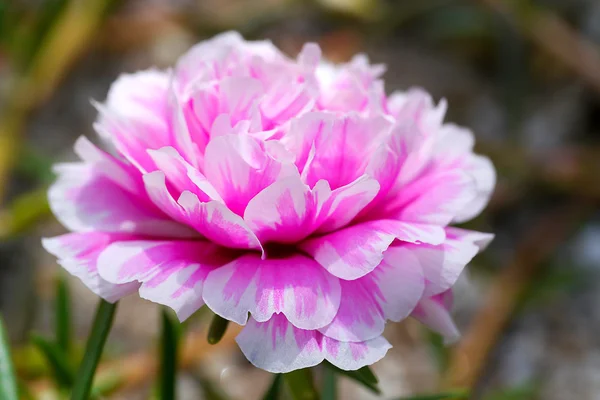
(274, 392)
(169, 348)
(56, 359)
(329, 385)
(103, 321)
(456, 395)
(217, 329)
(367, 374)
(8, 382)
(63, 317)
(366, 379)
(300, 384)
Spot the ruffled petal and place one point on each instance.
(239, 168)
(279, 347)
(182, 175)
(135, 116)
(83, 199)
(78, 254)
(171, 273)
(391, 291)
(346, 202)
(218, 223)
(433, 198)
(435, 313)
(284, 212)
(340, 152)
(296, 286)
(355, 251)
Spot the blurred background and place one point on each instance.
(523, 74)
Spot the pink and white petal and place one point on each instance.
(114, 169)
(302, 132)
(482, 170)
(156, 188)
(78, 254)
(170, 272)
(83, 199)
(135, 115)
(218, 223)
(351, 356)
(347, 202)
(238, 95)
(391, 291)
(239, 168)
(182, 175)
(284, 212)
(343, 151)
(278, 347)
(443, 264)
(434, 198)
(181, 129)
(286, 99)
(296, 286)
(479, 239)
(355, 251)
(435, 313)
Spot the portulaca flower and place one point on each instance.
(290, 196)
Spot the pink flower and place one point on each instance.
(290, 196)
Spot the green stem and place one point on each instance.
(275, 389)
(8, 382)
(63, 317)
(301, 384)
(329, 384)
(105, 314)
(169, 342)
(217, 329)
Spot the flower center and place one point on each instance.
(279, 250)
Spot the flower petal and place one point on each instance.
(434, 198)
(482, 170)
(284, 212)
(435, 313)
(442, 264)
(355, 251)
(83, 199)
(346, 202)
(295, 285)
(218, 223)
(135, 115)
(78, 254)
(109, 166)
(391, 291)
(279, 347)
(239, 168)
(342, 150)
(171, 273)
(182, 175)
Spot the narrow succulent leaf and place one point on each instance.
(56, 360)
(217, 329)
(357, 377)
